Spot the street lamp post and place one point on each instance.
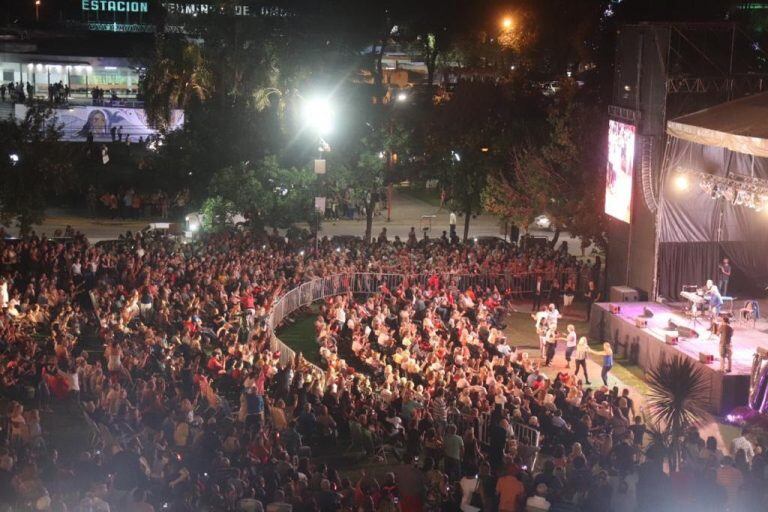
(318, 115)
(37, 10)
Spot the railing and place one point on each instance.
(364, 283)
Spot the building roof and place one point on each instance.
(739, 125)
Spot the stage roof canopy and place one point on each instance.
(740, 125)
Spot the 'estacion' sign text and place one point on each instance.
(114, 6)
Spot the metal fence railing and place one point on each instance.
(366, 283)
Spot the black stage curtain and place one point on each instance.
(682, 263)
(751, 260)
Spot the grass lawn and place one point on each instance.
(520, 332)
(300, 335)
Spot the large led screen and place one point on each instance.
(618, 182)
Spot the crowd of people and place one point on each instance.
(130, 204)
(16, 92)
(157, 356)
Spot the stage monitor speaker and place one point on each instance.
(623, 294)
(647, 313)
(686, 332)
(615, 309)
(670, 339)
(641, 322)
(682, 331)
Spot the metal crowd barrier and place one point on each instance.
(369, 282)
(482, 424)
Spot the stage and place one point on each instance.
(646, 346)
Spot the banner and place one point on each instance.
(77, 122)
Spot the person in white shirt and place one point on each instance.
(552, 315)
(742, 443)
(571, 340)
(538, 502)
(502, 347)
(3, 292)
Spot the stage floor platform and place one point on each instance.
(646, 346)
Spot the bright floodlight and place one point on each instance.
(506, 23)
(14, 158)
(402, 96)
(318, 115)
(681, 182)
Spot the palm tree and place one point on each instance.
(676, 400)
(178, 75)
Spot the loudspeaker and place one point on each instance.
(686, 332)
(670, 339)
(647, 313)
(682, 331)
(706, 358)
(614, 309)
(623, 294)
(641, 322)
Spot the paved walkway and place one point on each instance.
(407, 211)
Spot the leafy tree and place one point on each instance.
(560, 178)
(34, 166)
(467, 136)
(265, 193)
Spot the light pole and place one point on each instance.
(318, 116)
(37, 10)
(400, 98)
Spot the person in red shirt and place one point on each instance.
(216, 363)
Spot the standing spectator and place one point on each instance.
(411, 485)
(743, 443)
(510, 490)
(454, 452)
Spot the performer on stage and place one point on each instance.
(726, 334)
(724, 274)
(715, 299)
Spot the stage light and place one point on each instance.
(14, 158)
(401, 97)
(681, 182)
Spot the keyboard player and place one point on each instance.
(715, 299)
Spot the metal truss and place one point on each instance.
(722, 84)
